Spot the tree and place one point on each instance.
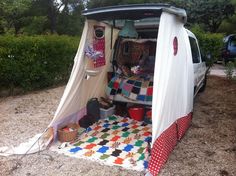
(48, 9)
(209, 13)
(228, 26)
(36, 26)
(63, 17)
(15, 13)
(70, 20)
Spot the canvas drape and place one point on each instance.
(79, 90)
(173, 76)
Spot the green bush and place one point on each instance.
(229, 70)
(209, 43)
(35, 62)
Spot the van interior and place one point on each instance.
(131, 80)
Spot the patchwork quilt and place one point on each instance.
(114, 141)
(139, 87)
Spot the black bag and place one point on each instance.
(93, 113)
(86, 121)
(93, 109)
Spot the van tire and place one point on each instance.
(202, 89)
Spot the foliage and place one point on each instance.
(229, 70)
(228, 26)
(35, 62)
(2, 26)
(64, 16)
(15, 13)
(40, 16)
(208, 13)
(209, 43)
(36, 26)
(69, 20)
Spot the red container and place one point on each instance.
(136, 113)
(149, 114)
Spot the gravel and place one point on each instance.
(208, 148)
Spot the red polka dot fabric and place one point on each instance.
(183, 125)
(162, 148)
(164, 144)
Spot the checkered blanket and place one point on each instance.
(137, 87)
(114, 141)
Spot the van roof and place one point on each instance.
(133, 12)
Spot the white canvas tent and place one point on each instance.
(172, 102)
(79, 90)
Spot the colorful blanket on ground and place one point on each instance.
(114, 141)
(139, 87)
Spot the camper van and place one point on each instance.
(146, 27)
(199, 65)
(143, 68)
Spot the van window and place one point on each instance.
(233, 42)
(195, 50)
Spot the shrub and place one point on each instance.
(229, 70)
(209, 43)
(35, 62)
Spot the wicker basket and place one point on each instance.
(68, 136)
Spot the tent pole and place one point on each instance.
(113, 24)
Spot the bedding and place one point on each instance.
(136, 88)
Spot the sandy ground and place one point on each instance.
(208, 148)
(219, 70)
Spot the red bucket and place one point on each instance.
(136, 113)
(149, 114)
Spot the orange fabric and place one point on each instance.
(119, 161)
(90, 146)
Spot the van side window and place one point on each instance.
(233, 42)
(195, 50)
